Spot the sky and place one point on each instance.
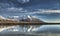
(46, 10)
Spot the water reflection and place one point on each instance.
(32, 28)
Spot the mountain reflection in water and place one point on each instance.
(30, 30)
(33, 28)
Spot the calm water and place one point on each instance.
(33, 29)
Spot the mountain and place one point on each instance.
(20, 19)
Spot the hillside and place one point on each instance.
(27, 20)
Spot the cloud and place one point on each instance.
(13, 9)
(46, 11)
(23, 1)
(51, 11)
(53, 21)
(4, 5)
